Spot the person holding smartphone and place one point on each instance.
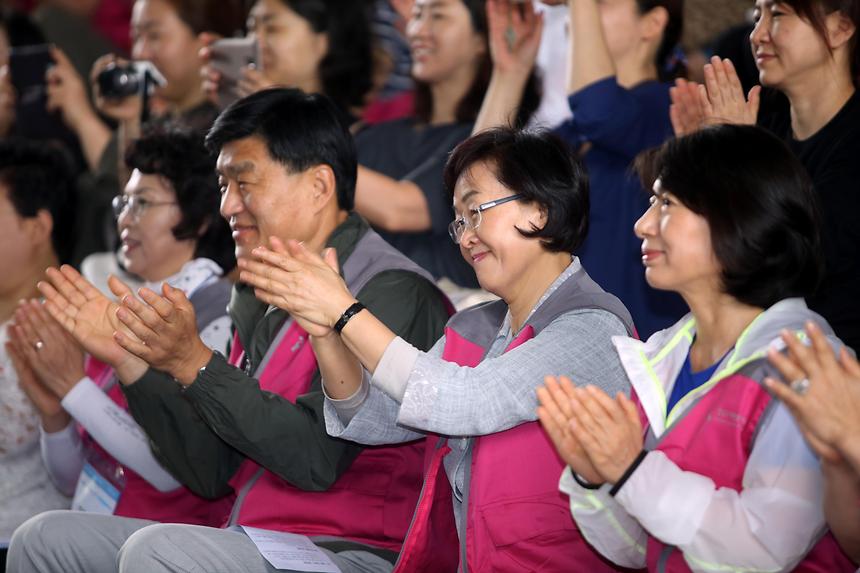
(166, 33)
(318, 47)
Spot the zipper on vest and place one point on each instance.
(439, 444)
(663, 561)
(463, 528)
(240, 498)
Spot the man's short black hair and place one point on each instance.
(184, 163)
(300, 131)
(39, 177)
(540, 167)
(759, 204)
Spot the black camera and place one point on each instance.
(135, 78)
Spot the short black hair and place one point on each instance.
(540, 167)
(759, 204)
(39, 177)
(346, 70)
(184, 163)
(300, 131)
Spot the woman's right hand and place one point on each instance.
(828, 413)
(54, 417)
(88, 315)
(687, 110)
(515, 33)
(252, 81)
(209, 76)
(555, 414)
(127, 109)
(57, 361)
(67, 92)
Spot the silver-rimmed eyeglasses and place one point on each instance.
(472, 218)
(135, 204)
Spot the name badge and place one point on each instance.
(94, 492)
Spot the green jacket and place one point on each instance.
(202, 433)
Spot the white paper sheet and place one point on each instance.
(289, 551)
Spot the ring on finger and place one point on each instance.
(39, 345)
(800, 386)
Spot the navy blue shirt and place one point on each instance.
(405, 149)
(618, 124)
(687, 381)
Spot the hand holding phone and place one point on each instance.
(229, 57)
(29, 68)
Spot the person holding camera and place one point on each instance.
(166, 38)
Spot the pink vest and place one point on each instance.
(138, 498)
(517, 519)
(370, 503)
(714, 438)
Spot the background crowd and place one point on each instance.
(259, 303)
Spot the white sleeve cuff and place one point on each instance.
(347, 408)
(80, 394)
(394, 368)
(646, 498)
(63, 456)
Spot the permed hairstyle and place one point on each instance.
(183, 163)
(470, 105)
(816, 11)
(38, 177)
(300, 131)
(540, 167)
(758, 202)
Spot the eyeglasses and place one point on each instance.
(135, 204)
(472, 218)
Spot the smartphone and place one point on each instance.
(28, 66)
(229, 57)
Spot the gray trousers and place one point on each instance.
(70, 541)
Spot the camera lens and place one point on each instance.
(117, 82)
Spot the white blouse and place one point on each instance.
(25, 488)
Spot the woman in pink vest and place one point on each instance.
(704, 470)
(171, 232)
(490, 500)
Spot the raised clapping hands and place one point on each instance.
(720, 100)
(597, 436)
(90, 317)
(54, 417)
(828, 412)
(515, 33)
(300, 282)
(163, 332)
(50, 352)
